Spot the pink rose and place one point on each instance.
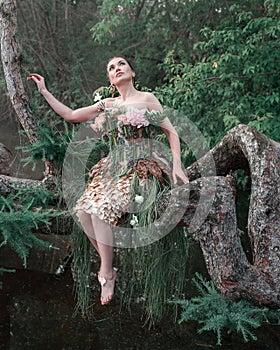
(137, 118)
(98, 122)
(123, 118)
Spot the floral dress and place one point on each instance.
(133, 172)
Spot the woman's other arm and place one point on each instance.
(153, 104)
(175, 146)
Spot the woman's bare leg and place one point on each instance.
(86, 222)
(100, 235)
(107, 275)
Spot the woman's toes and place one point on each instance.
(107, 288)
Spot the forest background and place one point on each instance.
(215, 61)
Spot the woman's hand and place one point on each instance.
(178, 173)
(39, 80)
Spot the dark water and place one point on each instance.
(36, 313)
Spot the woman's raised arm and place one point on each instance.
(78, 115)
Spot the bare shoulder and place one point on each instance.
(149, 96)
(152, 101)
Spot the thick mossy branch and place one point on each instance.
(234, 276)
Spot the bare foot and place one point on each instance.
(107, 287)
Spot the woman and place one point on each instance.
(98, 229)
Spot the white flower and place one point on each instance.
(134, 220)
(139, 199)
(97, 97)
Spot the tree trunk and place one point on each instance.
(228, 266)
(5, 160)
(220, 240)
(10, 57)
(11, 65)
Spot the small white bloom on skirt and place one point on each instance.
(139, 199)
(134, 220)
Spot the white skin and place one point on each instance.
(121, 75)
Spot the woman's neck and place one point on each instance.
(126, 91)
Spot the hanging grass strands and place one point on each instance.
(81, 269)
(154, 274)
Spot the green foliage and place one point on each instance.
(272, 6)
(216, 68)
(82, 267)
(234, 79)
(241, 179)
(21, 215)
(30, 197)
(52, 144)
(145, 31)
(219, 73)
(216, 314)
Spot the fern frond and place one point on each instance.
(216, 313)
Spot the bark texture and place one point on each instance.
(5, 160)
(9, 184)
(228, 266)
(10, 56)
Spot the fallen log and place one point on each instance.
(10, 184)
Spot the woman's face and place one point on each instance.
(119, 70)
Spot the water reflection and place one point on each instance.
(37, 313)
